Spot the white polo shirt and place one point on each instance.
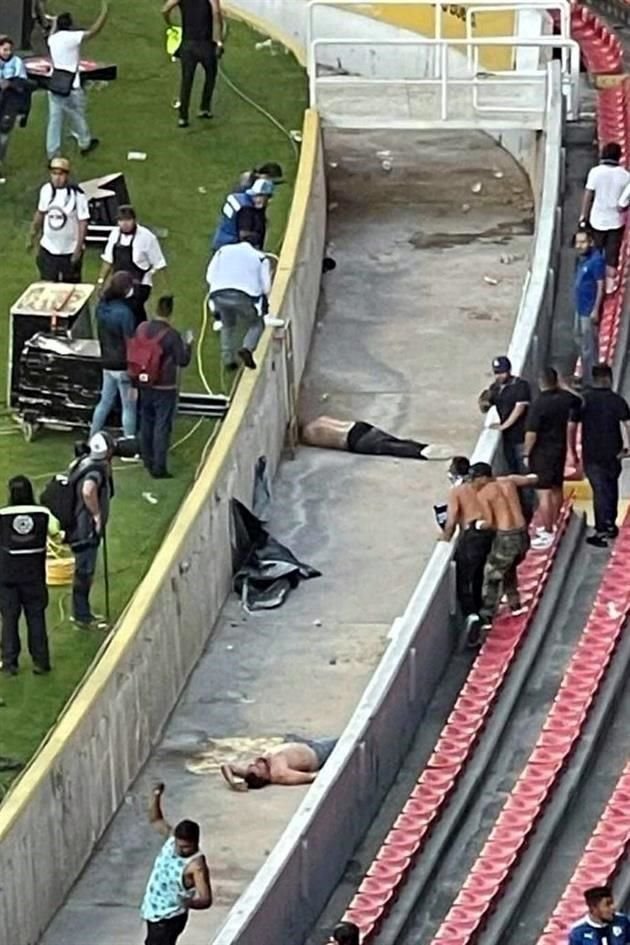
(63, 208)
(65, 52)
(146, 251)
(607, 181)
(239, 266)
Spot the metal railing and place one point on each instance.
(527, 89)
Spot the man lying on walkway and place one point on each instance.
(360, 437)
(289, 764)
(179, 881)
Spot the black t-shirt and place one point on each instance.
(505, 397)
(602, 412)
(548, 417)
(196, 20)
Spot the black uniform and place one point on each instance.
(23, 532)
(197, 48)
(602, 413)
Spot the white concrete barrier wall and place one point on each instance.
(294, 884)
(52, 819)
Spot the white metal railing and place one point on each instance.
(532, 83)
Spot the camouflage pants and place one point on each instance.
(508, 550)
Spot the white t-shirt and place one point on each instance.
(65, 52)
(146, 252)
(239, 266)
(607, 181)
(62, 209)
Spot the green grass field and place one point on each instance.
(178, 189)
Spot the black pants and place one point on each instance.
(473, 548)
(191, 55)
(138, 301)
(58, 268)
(604, 480)
(167, 931)
(157, 413)
(32, 598)
(370, 441)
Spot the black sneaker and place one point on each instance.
(40, 670)
(612, 532)
(94, 143)
(10, 670)
(183, 123)
(247, 358)
(204, 115)
(597, 541)
(162, 475)
(473, 631)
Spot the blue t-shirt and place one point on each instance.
(588, 932)
(591, 269)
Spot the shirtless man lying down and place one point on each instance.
(289, 764)
(360, 437)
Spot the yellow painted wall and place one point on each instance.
(420, 18)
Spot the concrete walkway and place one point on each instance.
(408, 327)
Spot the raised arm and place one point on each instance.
(99, 22)
(156, 817)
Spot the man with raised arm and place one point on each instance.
(179, 881)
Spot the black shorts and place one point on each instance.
(167, 931)
(549, 469)
(609, 241)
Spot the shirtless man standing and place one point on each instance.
(179, 881)
(290, 764)
(360, 437)
(502, 512)
(464, 510)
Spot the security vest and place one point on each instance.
(23, 533)
(227, 230)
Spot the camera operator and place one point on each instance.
(93, 485)
(24, 527)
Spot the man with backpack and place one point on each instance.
(154, 356)
(60, 225)
(79, 499)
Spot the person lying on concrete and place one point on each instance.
(345, 933)
(290, 764)
(356, 436)
(503, 514)
(179, 880)
(464, 512)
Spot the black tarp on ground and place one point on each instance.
(264, 570)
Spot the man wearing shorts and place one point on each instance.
(360, 437)
(294, 763)
(606, 195)
(550, 433)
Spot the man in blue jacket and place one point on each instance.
(244, 212)
(602, 925)
(590, 277)
(115, 324)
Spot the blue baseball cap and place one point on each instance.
(501, 365)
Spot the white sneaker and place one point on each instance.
(274, 322)
(217, 325)
(131, 459)
(543, 539)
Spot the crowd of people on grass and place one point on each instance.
(142, 353)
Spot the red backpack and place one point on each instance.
(144, 356)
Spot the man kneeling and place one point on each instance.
(360, 437)
(290, 764)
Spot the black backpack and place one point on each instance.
(59, 495)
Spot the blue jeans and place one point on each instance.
(115, 383)
(157, 413)
(587, 342)
(73, 108)
(84, 568)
